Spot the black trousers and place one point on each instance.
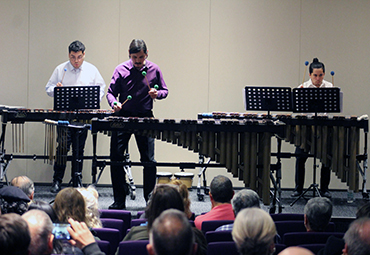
(66, 138)
(300, 172)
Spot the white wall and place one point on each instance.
(208, 51)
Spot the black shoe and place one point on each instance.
(118, 205)
(325, 194)
(296, 193)
(55, 188)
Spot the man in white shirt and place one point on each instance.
(317, 74)
(75, 72)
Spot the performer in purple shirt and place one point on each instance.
(143, 82)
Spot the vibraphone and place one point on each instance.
(242, 146)
(338, 140)
(19, 116)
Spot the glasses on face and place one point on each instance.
(78, 58)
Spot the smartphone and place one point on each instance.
(60, 231)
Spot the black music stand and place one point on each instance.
(270, 99)
(75, 98)
(313, 100)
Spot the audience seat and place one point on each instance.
(315, 248)
(111, 235)
(287, 216)
(299, 238)
(116, 224)
(211, 225)
(218, 236)
(133, 247)
(117, 214)
(137, 222)
(283, 227)
(222, 248)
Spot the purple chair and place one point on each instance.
(287, 216)
(116, 224)
(137, 222)
(211, 225)
(104, 246)
(133, 247)
(300, 238)
(283, 227)
(315, 248)
(111, 235)
(222, 248)
(218, 236)
(118, 214)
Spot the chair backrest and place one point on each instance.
(218, 236)
(111, 235)
(222, 248)
(118, 214)
(137, 222)
(279, 247)
(283, 227)
(298, 238)
(116, 224)
(104, 246)
(133, 247)
(211, 225)
(287, 216)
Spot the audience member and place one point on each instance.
(184, 193)
(245, 198)
(91, 196)
(14, 200)
(357, 238)
(295, 250)
(171, 233)
(317, 214)
(164, 197)
(41, 227)
(69, 203)
(45, 207)
(254, 232)
(363, 211)
(221, 192)
(14, 235)
(25, 184)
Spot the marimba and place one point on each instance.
(242, 146)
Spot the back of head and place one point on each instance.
(295, 250)
(69, 203)
(363, 211)
(14, 235)
(164, 197)
(245, 198)
(136, 46)
(45, 207)
(76, 46)
(172, 234)
(184, 193)
(318, 212)
(91, 196)
(254, 232)
(357, 237)
(41, 227)
(316, 64)
(25, 184)
(221, 189)
(13, 200)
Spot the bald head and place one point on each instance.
(41, 227)
(25, 184)
(295, 250)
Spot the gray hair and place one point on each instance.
(253, 232)
(245, 198)
(41, 227)
(24, 183)
(357, 237)
(318, 211)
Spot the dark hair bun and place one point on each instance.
(315, 60)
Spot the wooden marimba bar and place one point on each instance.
(242, 146)
(337, 137)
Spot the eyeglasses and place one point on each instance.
(79, 58)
